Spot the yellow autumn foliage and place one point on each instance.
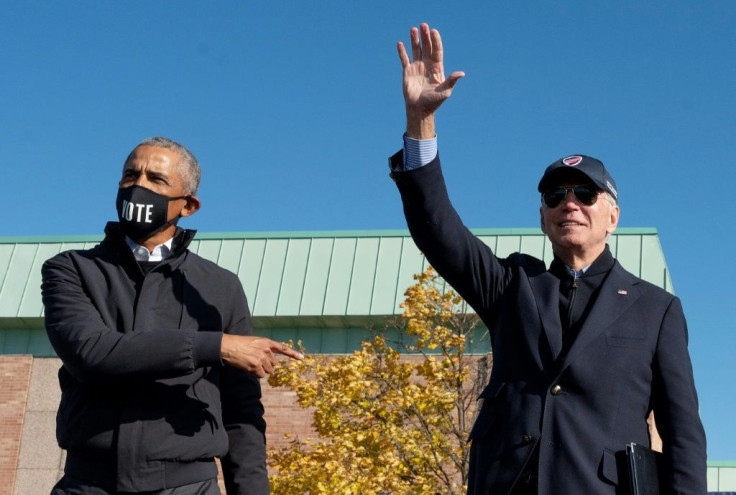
(387, 425)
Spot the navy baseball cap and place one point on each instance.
(589, 167)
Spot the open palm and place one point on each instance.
(425, 85)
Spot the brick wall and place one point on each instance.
(41, 461)
(16, 373)
(284, 416)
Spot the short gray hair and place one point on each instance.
(609, 197)
(188, 166)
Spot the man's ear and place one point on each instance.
(613, 219)
(191, 207)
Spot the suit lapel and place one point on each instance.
(546, 290)
(616, 295)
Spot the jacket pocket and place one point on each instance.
(609, 467)
(487, 400)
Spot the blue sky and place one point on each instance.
(292, 108)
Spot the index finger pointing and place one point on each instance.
(288, 351)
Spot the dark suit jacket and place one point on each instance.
(629, 358)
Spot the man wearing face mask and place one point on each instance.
(159, 368)
(583, 350)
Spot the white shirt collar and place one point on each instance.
(159, 253)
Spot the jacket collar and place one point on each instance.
(115, 239)
(546, 291)
(602, 264)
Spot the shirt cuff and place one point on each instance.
(418, 152)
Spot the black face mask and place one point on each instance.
(142, 212)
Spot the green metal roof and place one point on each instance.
(339, 282)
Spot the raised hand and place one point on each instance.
(425, 85)
(256, 355)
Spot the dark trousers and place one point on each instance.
(71, 486)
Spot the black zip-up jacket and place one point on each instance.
(146, 402)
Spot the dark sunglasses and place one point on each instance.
(587, 195)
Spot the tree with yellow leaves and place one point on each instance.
(387, 423)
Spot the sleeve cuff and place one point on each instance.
(418, 152)
(207, 346)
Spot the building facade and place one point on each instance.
(325, 289)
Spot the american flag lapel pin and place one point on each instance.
(622, 292)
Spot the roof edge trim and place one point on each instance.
(308, 234)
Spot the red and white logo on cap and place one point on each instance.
(572, 160)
